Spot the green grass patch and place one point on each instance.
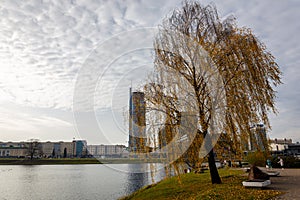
(198, 186)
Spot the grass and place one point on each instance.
(198, 186)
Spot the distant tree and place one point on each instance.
(33, 148)
(192, 46)
(53, 153)
(65, 152)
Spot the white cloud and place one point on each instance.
(21, 123)
(43, 45)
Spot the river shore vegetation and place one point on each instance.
(199, 186)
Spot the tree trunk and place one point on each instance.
(214, 174)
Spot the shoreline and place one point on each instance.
(73, 161)
(198, 186)
(58, 161)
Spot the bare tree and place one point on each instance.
(219, 70)
(33, 148)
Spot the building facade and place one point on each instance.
(137, 122)
(67, 149)
(80, 148)
(280, 145)
(258, 138)
(15, 152)
(13, 149)
(294, 149)
(285, 147)
(107, 151)
(76, 148)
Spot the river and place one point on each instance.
(110, 181)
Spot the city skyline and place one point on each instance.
(44, 46)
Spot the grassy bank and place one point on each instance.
(58, 161)
(198, 186)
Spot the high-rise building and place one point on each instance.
(258, 138)
(137, 122)
(80, 148)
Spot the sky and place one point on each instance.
(66, 66)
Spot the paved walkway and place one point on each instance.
(288, 181)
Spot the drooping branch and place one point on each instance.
(199, 60)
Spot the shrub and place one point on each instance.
(257, 158)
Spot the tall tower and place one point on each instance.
(137, 122)
(258, 137)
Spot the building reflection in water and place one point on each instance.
(140, 175)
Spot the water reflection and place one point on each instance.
(140, 175)
(70, 182)
(136, 181)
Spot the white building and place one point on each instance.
(280, 145)
(106, 150)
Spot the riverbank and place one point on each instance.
(129, 160)
(56, 161)
(198, 186)
(71, 161)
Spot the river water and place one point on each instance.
(68, 182)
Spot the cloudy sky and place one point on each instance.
(52, 50)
